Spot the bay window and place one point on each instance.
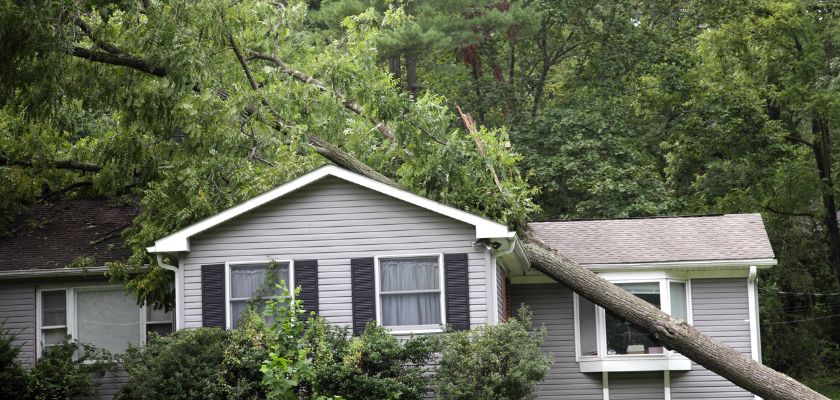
(102, 316)
(603, 336)
(253, 284)
(410, 293)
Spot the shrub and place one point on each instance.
(492, 362)
(374, 365)
(64, 372)
(312, 359)
(184, 365)
(12, 375)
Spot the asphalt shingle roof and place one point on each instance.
(50, 236)
(661, 239)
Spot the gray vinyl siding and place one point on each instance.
(17, 315)
(109, 383)
(636, 386)
(721, 310)
(333, 221)
(551, 304)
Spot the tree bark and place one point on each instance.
(674, 334)
(411, 75)
(55, 164)
(823, 157)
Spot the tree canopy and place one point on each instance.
(581, 109)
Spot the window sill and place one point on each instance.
(635, 363)
(405, 330)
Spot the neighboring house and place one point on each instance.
(364, 251)
(52, 282)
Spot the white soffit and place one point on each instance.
(179, 241)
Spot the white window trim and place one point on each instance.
(603, 362)
(71, 313)
(406, 330)
(290, 285)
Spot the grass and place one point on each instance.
(830, 391)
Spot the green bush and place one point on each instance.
(184, 365)
(12, 375)
(374, 365)
(492, 362)
(64, 372)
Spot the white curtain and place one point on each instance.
(107, 319)
(248, 281)
(679, 305)
(410, 291)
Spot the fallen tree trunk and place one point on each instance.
(673, 333)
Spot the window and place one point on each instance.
(102, 316)
(409, 293)
(53, 317)
(603, 335)
(251, 285)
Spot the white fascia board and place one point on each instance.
(179, 241)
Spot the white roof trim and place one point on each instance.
(179, 241)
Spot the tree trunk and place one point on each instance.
(824, 159)
(674, 334)
(394, 68)
(411, 75)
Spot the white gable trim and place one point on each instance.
(179, 241)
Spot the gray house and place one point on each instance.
(364, 251)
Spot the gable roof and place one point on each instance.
(52, 236)
(730, 237)
(179, 241)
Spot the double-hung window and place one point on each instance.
(410, 293)
(253, 284)
(102, 316)
(602, 335)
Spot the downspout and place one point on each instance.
(179, 318)
(494, 273)
(752, 299)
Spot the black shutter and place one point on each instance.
(457, 291)
(213, 295)
(364, 293)
(306, 277)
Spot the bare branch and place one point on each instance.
(101, 43)
(309, 80)
(123, 60)
(469, 124)
(242, 62)
(55, 164)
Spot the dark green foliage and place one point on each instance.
(65, 372)
(374, 365)
(12, 374)
(493, 362)
(184, 365)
